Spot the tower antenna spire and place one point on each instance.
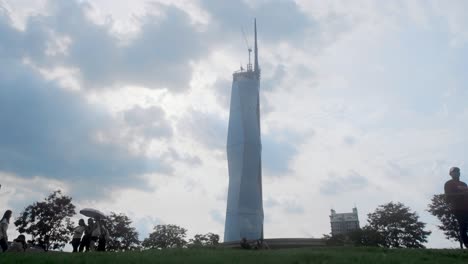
(249, 66)
(256, 67)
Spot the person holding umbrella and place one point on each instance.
(96, 233)
(95, 228)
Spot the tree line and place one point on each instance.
(394, 225)
(391, 225)
(52, 218)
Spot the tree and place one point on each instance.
(166, 236)
(440, 208)
(51, 217)
(398, 226)
(123, 237)
(366, 237)
(206, 240)
(359, 237)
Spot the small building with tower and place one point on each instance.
(343, 223)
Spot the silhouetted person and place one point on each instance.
(4, 222)
(456, 192)
(86, 241)
(18, 245)
(103, 238)
(77, 233)
(95, 234)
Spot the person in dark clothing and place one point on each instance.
(456, 192)
(103, 238)
(77, 233)
(86, 240)
(4, 222)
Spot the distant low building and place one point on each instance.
(342, 223)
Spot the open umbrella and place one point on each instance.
(89, 212)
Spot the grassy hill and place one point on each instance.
(207, 256)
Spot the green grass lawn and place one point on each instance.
(206, 256)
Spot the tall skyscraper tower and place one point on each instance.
(244, 213)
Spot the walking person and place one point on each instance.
(4, 222)
(456, 192)
(77, 233)
(86, 241)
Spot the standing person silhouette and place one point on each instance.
(95, 234)
(104, 237)
(86, 240)
(4, 222)
(77, 233)
(456, 192)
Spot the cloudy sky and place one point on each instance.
(124, 106)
